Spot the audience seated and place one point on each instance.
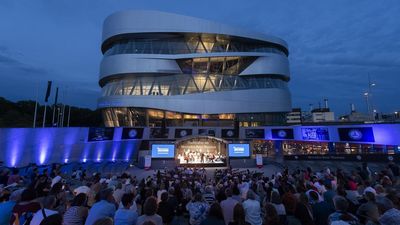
(46, 195)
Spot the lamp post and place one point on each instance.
(366, 95)
(371, 105)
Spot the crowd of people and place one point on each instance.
(197, 197)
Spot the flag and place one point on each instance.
(48, 91)
(56, 98)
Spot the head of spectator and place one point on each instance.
(251, 195)
(49, 202)
(275, 198)
(164, 197)
(314, 197)
(55, 219)
(28, 195)
(216, 211)
(107, 195)
(239, 214)
(369, 196)
(198, 198)
(150, 206)
(384, 204)
(340, 203)
(80, 200)
(127, 200)
(104, 221)
(228, 192)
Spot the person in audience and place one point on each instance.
(103, 208)
(320, 209)
(78, 211)
(389, 214)
(209, 196)
(24, 210)
(228, 205)
(126, 216)
(165, 209)
(298, 197)
(49, 203)
(7, 204)
(279, 207)
(271, 215)
(239, 216)
(252, 209)
(14, 177)
(197, 209)
(149, 212)
(215, 216)
(341, 214)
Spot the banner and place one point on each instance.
(147, 162)
(259, 160)
(255, 133)
(282, 133)
(356, 134)
(132, 133)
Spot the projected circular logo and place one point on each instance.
(230, 133)
(282, 133)
(355, 134)
(132, 133)
(183, 133)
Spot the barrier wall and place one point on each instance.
(21, 146)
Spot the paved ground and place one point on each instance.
(268, 170)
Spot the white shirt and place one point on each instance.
(253, 211)
(38, 217)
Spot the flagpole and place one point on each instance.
(36, 104)
(44, 114)
(46, 99)
(69, 114)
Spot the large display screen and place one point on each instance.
(162, 151)
(201, 150)
(282, 133)
(239, 150)
(356, 134)
(100, 134)
(315, 134)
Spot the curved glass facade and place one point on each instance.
(170, 57)
(181, 84)
(189, 44)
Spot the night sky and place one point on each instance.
(333, 46)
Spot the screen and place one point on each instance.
(356, 134)
(180, 133)
(159, 132)
(239, 150)
(207, 132)
(255, 133)
(229, 133)
(162, 151)
(100, 134)
(132, 133)
(317, 134)
(282, 133)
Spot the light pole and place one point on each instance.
(371, 105)
(366, 95)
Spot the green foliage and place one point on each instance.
(20, 114)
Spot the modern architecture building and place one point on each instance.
(163, 69)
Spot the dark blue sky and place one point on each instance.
(333, 45)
